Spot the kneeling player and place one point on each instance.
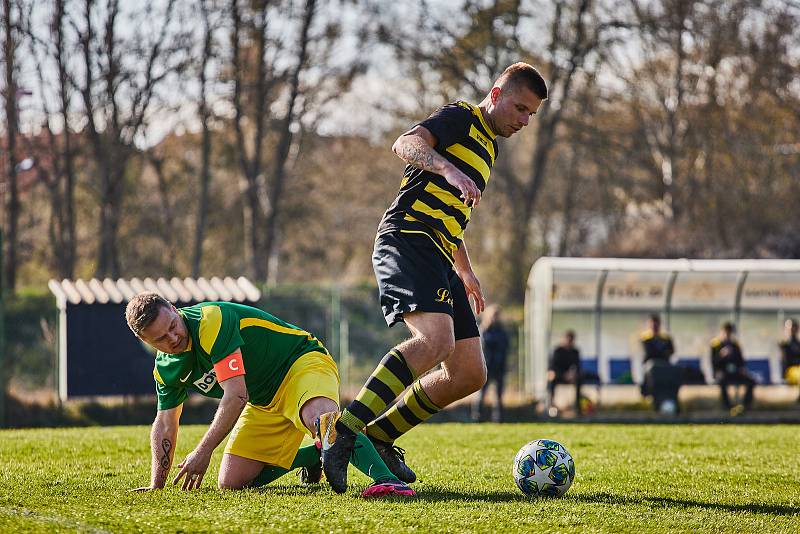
(274, 381)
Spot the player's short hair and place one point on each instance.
(143, 310)
(523, 74)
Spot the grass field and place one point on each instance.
(630, 478)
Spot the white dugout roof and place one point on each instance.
(176, 290)
(607, 301)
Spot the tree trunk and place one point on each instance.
(69, 239)
(285, 142)
(12, 199)
(205, 169)
(110, 203)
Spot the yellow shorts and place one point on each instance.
(272, 434)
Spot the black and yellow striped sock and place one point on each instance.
(414, 408)
(388, 381)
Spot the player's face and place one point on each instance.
(513, 109)
(167, 333)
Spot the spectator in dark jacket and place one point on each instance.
(790, 354)
(729, 368)
(656, 343)
(564, 368)
(495, 350)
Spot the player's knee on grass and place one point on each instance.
(231, 484)
(237, 473)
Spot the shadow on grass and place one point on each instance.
(438, 494)
(609, 498)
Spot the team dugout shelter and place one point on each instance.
(98, 355)
(607, 302)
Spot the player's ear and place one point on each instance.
(495, 94)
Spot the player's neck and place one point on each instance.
(486, 106)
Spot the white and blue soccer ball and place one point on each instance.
(544, 467)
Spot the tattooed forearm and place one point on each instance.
(166, 446)
(161, 467)
(415, 151)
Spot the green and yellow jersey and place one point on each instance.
(426, 203)
(268, 345)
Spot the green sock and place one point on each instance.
(306, 457)
(367, 460)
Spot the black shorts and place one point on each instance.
(414, 275)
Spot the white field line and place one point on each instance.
(51, 519)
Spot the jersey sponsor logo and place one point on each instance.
(185, 378)
(206, 382)
(443, 295)
(479, 137)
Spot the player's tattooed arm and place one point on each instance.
(163, 437)
(415, 147)
(164, 463)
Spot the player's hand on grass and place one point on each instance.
(469, 189)
(193, 468)
(473, 287)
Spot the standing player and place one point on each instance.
(424, 274)
(274, 380)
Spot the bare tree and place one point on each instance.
(12, 203)
(286, 134)
(56, 161)
(205, 116)
(120, 77)
(271, 102)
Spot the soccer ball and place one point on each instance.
(544, 467)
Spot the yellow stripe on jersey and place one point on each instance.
(476, 110)
(269, 325)
(448, 198)
(157, 376)
(470, 158)
(449, 221)
(210, 323)
(449, 249)
(481, 139)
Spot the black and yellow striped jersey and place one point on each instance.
(428, 204)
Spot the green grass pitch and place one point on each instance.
(630, 478)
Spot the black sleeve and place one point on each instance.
(551, 363)
(448, 124)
